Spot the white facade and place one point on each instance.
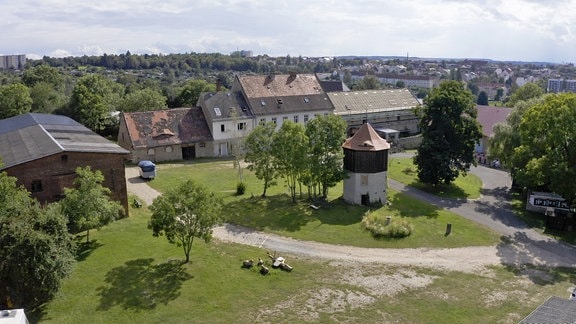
(366, 188)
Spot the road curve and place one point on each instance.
(521, 244)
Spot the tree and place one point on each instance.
(258, 147)
(36, 251)
(449, 134)
(507, 135)
(369, 82)
(143, 100)
(528, 91)
(94, 98)
(482, 98)
(14, 100)
(290, 148)
(325, 137)
(191, 92)
(43, 73)
(546, 156)
(184, 213)
(88, 204)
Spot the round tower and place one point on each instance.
(366, 162)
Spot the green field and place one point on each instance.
(128, 276)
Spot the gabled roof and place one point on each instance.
(366, 139)
(553, 310)
(33, 136)
(489, 116)
(166, 127)
(223, 105)
(283, 93)
(372, 100)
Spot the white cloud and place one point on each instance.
(497, 29)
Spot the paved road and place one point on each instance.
(520, 244)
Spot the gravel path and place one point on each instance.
(522, 246)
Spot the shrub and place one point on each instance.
(240, 188)
(380, 227)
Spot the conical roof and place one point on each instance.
(366, 139)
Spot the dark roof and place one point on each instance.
(333, 86)
(372, 100)
(489, 116)
(283, 93)
(366, 139)
(553, 310)
(33, 136)
(223, 105)
(167, 127)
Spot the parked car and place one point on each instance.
(147, 169)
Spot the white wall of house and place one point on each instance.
(299, 118)
(374, 185)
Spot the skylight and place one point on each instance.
(217, 111)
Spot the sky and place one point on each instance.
(503, 30)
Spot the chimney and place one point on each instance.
(218, 85)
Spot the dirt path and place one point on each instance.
(461, 259)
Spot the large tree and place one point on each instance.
(258, 148)
(88, 205)
(94, 99)
(143, 100)
(325, 136)
(290, 150)
(184, 213)
(546, 156)
(36, 251)
(450, 132)
(14, 100)
(528, 91)
(507, 135)
(191, 91)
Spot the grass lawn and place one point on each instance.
(338, 223)
(128, 276)
(404, 171)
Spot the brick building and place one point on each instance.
(43, 151)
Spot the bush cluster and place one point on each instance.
(381, 228)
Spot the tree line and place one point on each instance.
(307, 157)
(37, 245)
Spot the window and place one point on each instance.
(36, 186)
(202, 144)
(305, 119)
(296, 118)
(279, 101)
(262, 121)
(168, 149)
(274, 120)
(241, 126)
(364, 180)
(64, 157)
(285, 118)
(151, 151)
(222, 128)
(306, 100)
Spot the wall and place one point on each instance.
(57, 172)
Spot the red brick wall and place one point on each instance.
(58, 171)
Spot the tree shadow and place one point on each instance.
(84, 249)
(406, 205)
(276, 212)
(141, 285)
(544, 262)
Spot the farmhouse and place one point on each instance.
(222, 119)
(165, 135)
(280, 97)
(43, 151)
